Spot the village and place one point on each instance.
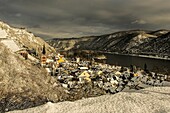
(83, 75)
(89, 76)
(84, 56)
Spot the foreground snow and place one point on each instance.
(149, 100)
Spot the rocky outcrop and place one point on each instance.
(23, 38)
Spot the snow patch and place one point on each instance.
(11, 45)
(3, 33)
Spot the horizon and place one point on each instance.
(78, 18)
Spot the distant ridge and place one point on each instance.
(126, 42)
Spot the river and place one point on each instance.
(153, 64)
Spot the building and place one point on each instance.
(43, 60)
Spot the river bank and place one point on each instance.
(154, 63)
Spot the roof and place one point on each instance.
(61, 60)
(118, 73)
(85, 68)
(101, 57)
(100, 72)
(85, 74)
(49, 60)
(11, 45)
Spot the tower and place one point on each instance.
(43, 50)
(43, 56)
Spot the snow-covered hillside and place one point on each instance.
(23, 38)
(150, 100)
(126, 42)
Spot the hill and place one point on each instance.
(23, 84)
(23, 38)
(126, 42)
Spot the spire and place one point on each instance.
(44, 51)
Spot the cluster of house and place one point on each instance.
(51, 62)
(77, 74)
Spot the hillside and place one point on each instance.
(67, 43)
(23, 84)
(23, 38)
(131, 42)
(149, 100)
(159, 45)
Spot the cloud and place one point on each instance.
(18, 14)
(139, 22)
(71, 18)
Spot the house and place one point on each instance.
(43, 60)
(100, 59)
(84, 76)
(23, 53)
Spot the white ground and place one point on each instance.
(3, 34)
(11, 45)
(149, 100)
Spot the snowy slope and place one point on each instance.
(23, 38)
(149, 100)
(132, 41)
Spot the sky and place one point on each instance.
(77, 18)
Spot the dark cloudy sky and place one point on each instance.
(74, 18)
